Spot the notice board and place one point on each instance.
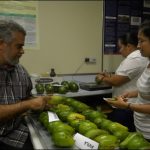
(121, 16)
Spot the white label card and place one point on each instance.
(52, 116)
(85, 143)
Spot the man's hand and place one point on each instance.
(40, 103)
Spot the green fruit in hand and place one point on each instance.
(39, 88)
(97, 80)
(49, 88)
(94, 133)
(56, 99)
(86, 126)
(73, 86)
(62, 139)
(62, 90)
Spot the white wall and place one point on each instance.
(69, 31)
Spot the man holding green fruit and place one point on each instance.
(15, 89)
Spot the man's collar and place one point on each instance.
(7, 67)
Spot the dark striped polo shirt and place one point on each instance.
(15, 86)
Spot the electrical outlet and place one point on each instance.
(90, 60)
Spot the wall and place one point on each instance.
(69, 31)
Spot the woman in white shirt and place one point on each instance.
(141, 107)
(125, 76)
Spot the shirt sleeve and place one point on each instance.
(131, 67)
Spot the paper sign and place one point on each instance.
(52, 116)
(85, 143)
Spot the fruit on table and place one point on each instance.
(87, 112)
(49, 88)
(63, 127)
(39, 88)
(75, 116)
(115, 126)
(135, 140)
(63, 115)
(73, 86)
(75, 124)
(43, 115)
(94, 133)
(107, 141)
(63, 139)
(121, 134)
(98, 122)
(105, 124)
(62, 90)
(56, 86)
(66, 84)
(79, 106)
(62, 107)
(69, 101)
(95, 114)
(86, 126)
(52, 125)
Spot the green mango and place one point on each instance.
(94, 133)
(107, 142)
(62, 139)
(86, 126)
(134, 140)
(115, 126)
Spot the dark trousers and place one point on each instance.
(124, 117)
(27, 146)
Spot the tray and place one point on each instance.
(44, 136)
(92, 86)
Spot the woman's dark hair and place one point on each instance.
(129, 38)
(145, 28)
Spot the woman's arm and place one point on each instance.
(113, 80)
(120, 103)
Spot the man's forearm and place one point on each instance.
(9, 111)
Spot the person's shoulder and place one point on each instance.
(21, 68)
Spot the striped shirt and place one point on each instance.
(142, 120)
(15, 85)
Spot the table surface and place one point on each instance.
(82, 93)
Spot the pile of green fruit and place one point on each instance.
(81, 118)
(55, 87)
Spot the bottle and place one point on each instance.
(52, 73)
